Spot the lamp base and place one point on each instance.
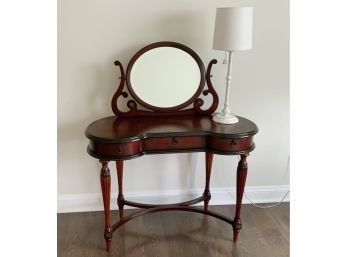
(225, 118)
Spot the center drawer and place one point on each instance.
(172, 143)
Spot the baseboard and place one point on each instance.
(221, 196)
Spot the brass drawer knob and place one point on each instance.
(119, 148)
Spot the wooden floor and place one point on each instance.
(265, 232)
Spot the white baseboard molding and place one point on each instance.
(221, 196)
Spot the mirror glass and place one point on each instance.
(165, 77)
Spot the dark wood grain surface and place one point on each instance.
(114, 129)
(114, 138)
(265, 234)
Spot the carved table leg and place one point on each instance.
(120, 198)
(208, 164)
(105, 181)
(242, 171)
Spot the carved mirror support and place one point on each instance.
(164, 78)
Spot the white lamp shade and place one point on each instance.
(233, 28)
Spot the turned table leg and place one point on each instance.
(208, 164)
(105, 181)
(120, 198)
(242, 171)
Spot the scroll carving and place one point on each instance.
(133, 105)
(199, 102)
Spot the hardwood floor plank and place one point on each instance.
(265, 233)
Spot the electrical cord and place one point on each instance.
(267, 206)
(271, 205)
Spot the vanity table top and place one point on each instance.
(120, 130)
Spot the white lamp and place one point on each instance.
(233, 32)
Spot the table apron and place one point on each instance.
(172, 144)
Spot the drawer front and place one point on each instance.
(174, 143)
(230, 144)
(115, 149)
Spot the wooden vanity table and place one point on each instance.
(159, 128)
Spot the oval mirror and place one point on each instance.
(165, 76)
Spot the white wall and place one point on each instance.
(93, 34)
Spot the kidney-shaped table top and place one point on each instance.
(120, 130)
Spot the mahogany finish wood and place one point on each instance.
(166, 44)
(130, 130)
(171, 208)
(242, 171)
(105, 181)
(208, 163)
(119, 139)
(148, 206)
(197, 102)
(120, 197)
(167, 130)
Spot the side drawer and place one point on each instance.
(230, 144)
(116, 149)
(174, 143)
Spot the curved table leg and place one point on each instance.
(120, 198)
(105, 182)
(242, 171)
(208, 164)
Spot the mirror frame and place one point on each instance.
(166, 44)
(122, 95)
